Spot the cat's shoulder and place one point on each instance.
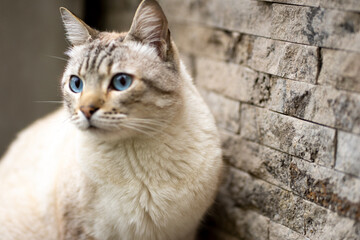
(39, 134)
(45, 125)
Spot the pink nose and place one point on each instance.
(89, 110)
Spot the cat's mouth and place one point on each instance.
(93, 128)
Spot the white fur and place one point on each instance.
(147, 188)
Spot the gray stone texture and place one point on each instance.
(326, 187)
(245, 16)
(203, 41)
(300, 138)
(316, 26)
(321, 104)
(270, 201)
(225, 111)
(280, 232)
(258, 160)
(282, 59)
(340, 69)
(314, 3)
(323, 224)
(294, 61)
(350, 5)
(232, 80)
(348, 153)
(242, 223)
(243, 49)
(281, 207)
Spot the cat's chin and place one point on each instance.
(107, 134)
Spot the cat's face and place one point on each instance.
(122, 84)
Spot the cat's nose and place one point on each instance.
(89, 110)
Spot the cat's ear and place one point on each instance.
(150, 26)
(77, 32)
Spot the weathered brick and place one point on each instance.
(303, 139)
(326, 187)
(348, 153)
(203, 41)
(225, 111)
(316, 26)
(314, 3)
(279, 205)
(351, 5)
(321, 104)
(284, 59)
(175, 10)
(243, 49)
(293, 98)
(258, 160)
(242, 223)
(340, 69)
(346, 108)
(245, 16)
(233, 81)
(250, 225)
(323, 224)
(278, 231)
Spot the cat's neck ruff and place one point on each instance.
(149, 160)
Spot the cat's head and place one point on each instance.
(123, 84)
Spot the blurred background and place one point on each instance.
(32, 44)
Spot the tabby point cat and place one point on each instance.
(133, 154)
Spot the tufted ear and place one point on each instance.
(77, 32)
(150, 26)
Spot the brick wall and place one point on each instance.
(283, 81)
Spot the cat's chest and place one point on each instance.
(141, 166)
(138, 188)
(134, 208)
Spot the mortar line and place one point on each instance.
(290, 192)
(207, 25)
(335, 148)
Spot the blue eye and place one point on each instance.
(76, 84)
(121, 81)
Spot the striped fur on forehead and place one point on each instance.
(110, 54)
(91, 56)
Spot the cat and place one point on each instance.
(134, 152)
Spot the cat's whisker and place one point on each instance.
(158, 123)
(149, 128)
(55, 102)
(55, 57)
(136, 129)
(143, 125)
(163, 121)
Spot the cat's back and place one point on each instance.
(27, 175)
